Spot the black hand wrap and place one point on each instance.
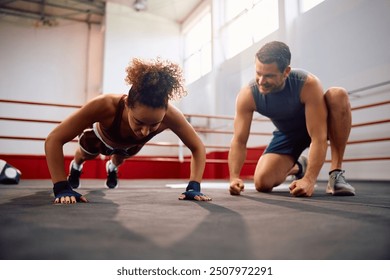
(63, 188)
(192, 190)
(193, 186)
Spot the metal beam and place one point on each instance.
(74, 13)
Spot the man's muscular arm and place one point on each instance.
(316, 122)
(245, 107)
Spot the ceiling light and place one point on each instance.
(139, 5)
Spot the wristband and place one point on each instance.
(193, 186)
(63, 188)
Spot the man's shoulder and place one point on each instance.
(247, 90)
(299, 74)
(245, 99)
(302, 74)
(249, 87)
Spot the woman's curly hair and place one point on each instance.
(154, 83)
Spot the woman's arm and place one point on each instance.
(176, 121)
(70, 128)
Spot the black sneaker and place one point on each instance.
(74, 176)
(337, 185)
(112, 177)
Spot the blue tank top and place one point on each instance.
(284, 108)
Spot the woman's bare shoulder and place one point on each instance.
(104, 102)
(101, 107)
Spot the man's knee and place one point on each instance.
(262, 185)
(336, 96)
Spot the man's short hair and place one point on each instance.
(277, 52)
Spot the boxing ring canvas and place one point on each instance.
(144, 220)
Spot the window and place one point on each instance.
(234, 8)
(247, 22)
(265, 15)
(197, 49)
(306, 5)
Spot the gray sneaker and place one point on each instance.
(302, 160)
(338, 186)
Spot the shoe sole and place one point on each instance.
(112, 187)
(340, 193)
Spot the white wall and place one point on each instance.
(60, 64)
(131, 34)
(49, 63)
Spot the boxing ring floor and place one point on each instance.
(144, 220)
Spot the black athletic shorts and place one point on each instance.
(292, 145)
